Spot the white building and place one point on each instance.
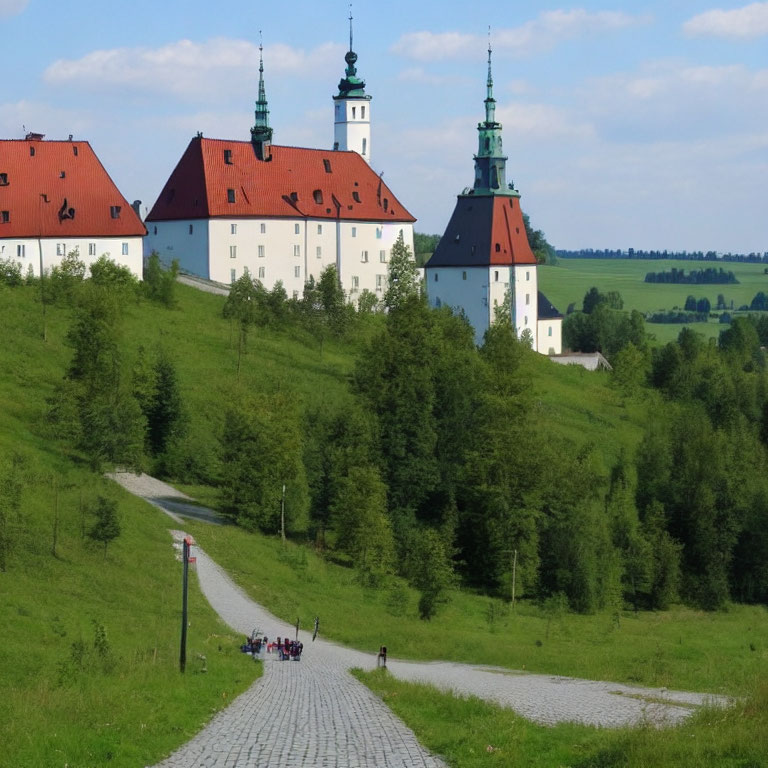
(55, 198)
(283, 213)
(483, 260)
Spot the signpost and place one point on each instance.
(183, 650)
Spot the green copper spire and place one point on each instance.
(261, 133)
(490, 162)
(351, 86)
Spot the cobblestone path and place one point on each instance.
(314, 713)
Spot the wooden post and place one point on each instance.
(185, 581)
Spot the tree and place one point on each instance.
(690, 304)
(159, 282)
(403, 279)
(66, 277)
(591, 299)
(106, 527)
(703, 306)
(430, 570)
(164, 411)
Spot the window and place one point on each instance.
(3, 179)
(549, 331)
(262, 272)
(297, 250)
(63, 175)
(496, 276)
(362, 114)
(5, 216)
(378, 233)
(318, 196)
(438, 303)
(525, 320)
(155, 229)
(262, 227)
(191, 229)
(233, 229)
(436, 276)
(261, 251)
(297, 271)
(353, 113)
(61, 249)
(354, 231)
(527, 298)
(383, 257)
(364, 257)
(380, 282)
(365, 145)
(463, 275)
(327, 165)
(125, 249)
(386, 204)
(91, 249)
(31, 151)
(527, 275)
(319, 251)
(295, 295)
(297, 229)
(498, 247)
(21, 251)
(228, 156)
(356, 196)
(232, 251)
(230, 195)
(319, 229)
(74, 150)
(355, 282)
(114, 211)
(232, 275)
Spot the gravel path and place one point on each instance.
(314, 713)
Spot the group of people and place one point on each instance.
(286, 648)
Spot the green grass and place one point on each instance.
(469, 732)
(681, 648)
(572, 278)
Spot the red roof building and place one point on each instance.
(56, 197)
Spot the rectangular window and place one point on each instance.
(5, 216)
(262, 272)
(262, 228)
(61, 249)
(496, 276)
(549, 331)
(364, 257)
(527, 275)
(3, 179)
(191, 229)
(232, 251)
(91, 249)
(230, 195)
(380, 282)
(114, 211)
(436, 276)
(355, 282)
(319, 229)
(327, 165)
(378, 233)
(125, 249)
(362, 112)
(295, 295)
(297, 228)
(233, 229)
(527, 298)
(525, 320)
(297, 271)
(354, 231)
(21, 251)
(463, 275)
(261, 251)
(228, 156)
(319, 251)
(232, 275)
(383, 257)
(297, 250)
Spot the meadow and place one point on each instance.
(570, 279)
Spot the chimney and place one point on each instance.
(136, 205)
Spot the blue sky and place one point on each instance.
(627, 125)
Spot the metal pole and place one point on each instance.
(183, 650)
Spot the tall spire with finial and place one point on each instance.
(261, 133)
(490, 102)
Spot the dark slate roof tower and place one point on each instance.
(261, 133)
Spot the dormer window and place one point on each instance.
(230, 195)
(3, 179)
(356, 196)
(74, 150)
(5, 217)
(228, 157)
(327, 165)
(63, 175)
(318, 196)
(114, 211)
(498, 247)
(386, 203)
(31, 151)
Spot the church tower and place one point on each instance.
(352, 109)
(261, 133)
(483, 263)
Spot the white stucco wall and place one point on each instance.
(551, 336)
(525, 301)
(26, 251)
(173, 240)
(352, 126)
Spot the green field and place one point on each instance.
(567, 283)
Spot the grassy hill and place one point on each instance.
(572, 278)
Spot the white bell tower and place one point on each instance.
(352, 110)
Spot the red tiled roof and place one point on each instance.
(295, 182)
(483, 231)
(42, 175)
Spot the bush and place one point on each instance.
(10, 272)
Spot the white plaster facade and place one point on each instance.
(285, 249)
(125, 251)
(476, 291)
(352, 126)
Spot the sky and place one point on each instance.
(639, 124)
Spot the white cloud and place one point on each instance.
(749, 21)
(54, 122)
(524, 123)
(12, 7)
(540, 34)
(191, 70)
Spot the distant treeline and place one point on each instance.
(708, 276)
(677, 317)
(631, 253)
